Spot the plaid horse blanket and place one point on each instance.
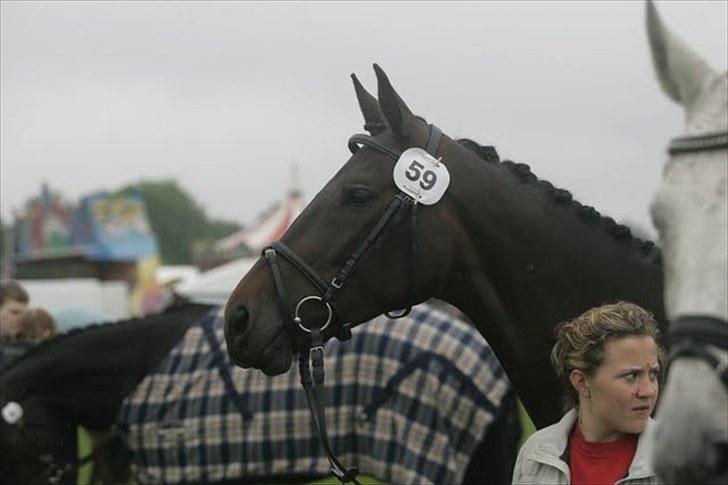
(408, 402)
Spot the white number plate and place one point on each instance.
(421, 176)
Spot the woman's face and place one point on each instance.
(623, 391)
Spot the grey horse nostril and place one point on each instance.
(239, 319)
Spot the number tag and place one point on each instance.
(421, 176)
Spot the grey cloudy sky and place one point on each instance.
(225, 97)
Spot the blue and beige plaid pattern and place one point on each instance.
(408, 402)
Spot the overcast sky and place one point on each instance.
(225, 97)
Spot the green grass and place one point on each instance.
(84, 448)
(527, 426)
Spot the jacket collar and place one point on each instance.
(556, 441)
(642, 462)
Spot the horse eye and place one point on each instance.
(359, 197)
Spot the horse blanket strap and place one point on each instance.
(691, 336)
(692, 144)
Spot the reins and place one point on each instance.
(309, 339)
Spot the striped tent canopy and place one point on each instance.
(271, 226)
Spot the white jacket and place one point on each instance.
(541, 458)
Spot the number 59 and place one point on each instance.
(414, 172)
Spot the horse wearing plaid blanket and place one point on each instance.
(414, 214)
(412, 402)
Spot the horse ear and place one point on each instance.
(374, 121)
(681, 72)
(400, 118)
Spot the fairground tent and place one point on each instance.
(215, 285)
(270, 226)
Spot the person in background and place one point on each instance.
(13, 303)
(37, 325)
(609, 362)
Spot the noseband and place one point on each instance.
(700, 337)
(694, 335)
(309, 339)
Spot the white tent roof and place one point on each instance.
(214, 286)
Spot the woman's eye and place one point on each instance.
(359, 197)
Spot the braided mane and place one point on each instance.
(648, 249)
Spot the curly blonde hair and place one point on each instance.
(580, 342)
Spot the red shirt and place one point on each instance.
(599, 463)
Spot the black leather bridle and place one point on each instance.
(699, 336)
(308, 339)
(700, 143)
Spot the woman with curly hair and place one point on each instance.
(608, 360)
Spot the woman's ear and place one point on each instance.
(580, 383)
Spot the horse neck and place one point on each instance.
(86, 376)
(527, 264)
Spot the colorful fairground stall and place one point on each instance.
(105, 237)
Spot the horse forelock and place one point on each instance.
(646, 248)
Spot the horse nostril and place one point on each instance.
(239, 319)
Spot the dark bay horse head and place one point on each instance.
(514, 253)
(329, 231)
(78, 378)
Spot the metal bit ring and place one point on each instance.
(297, 318)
